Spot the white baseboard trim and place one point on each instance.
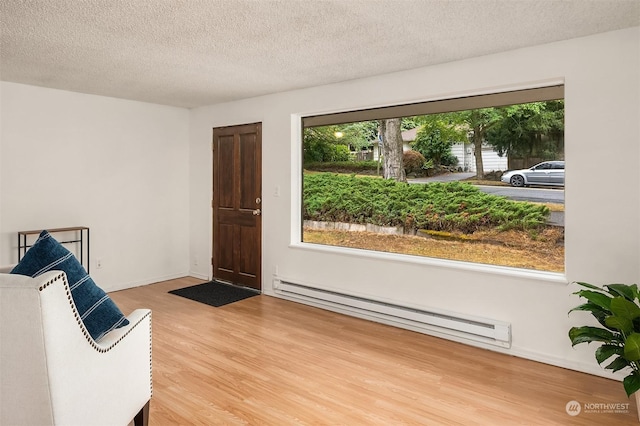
(198, 275)
(580, 366)
(151, 280)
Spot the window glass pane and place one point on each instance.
(482, 185)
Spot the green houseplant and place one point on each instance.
(616, 308)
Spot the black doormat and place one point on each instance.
(215, 293)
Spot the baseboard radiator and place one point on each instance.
(433, 322)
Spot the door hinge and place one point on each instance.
(212, 261)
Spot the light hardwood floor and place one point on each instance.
(267, 361)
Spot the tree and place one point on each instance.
(359, 134)
(322, 144)
(437, 134)
(479, 122)
(331, 143)
(391, 132)
(533, 130)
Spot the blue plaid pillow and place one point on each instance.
(97, 311)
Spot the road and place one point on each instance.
(539, 195)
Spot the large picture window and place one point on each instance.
(477, 179)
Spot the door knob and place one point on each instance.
(257, 212)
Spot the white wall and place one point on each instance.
(467, 161)
(1, 102)
(116, 166)
(602, 215)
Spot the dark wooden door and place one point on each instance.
(237, 203)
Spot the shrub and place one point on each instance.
(452, 206)
(340, 153)
(431, 145)
(314, 151)
(366, 167)
(413, 162)
(448, 159)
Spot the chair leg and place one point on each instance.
(142, 418)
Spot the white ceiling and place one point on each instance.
(191, 53)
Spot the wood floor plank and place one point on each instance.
(267, 361)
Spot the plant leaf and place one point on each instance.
(598, 313)
(625, 325)
(623, 290)
(634, 291)
(631, 383)
(590, 307)
(632, 347)
(591, 286)
(589, 334)
(605, 352)
(601, 316)
(624, 308)
(600, 299)
(618, 364)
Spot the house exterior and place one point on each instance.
(464, 152)
(467, 160)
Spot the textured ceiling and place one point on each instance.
(200, 52)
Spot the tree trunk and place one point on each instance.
(477, 151)
(392, 149)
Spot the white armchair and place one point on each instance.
(53, 373)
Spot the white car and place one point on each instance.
(547, 173)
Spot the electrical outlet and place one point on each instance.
(195, 261)
(98, 263)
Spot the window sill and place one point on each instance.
(551, 277)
